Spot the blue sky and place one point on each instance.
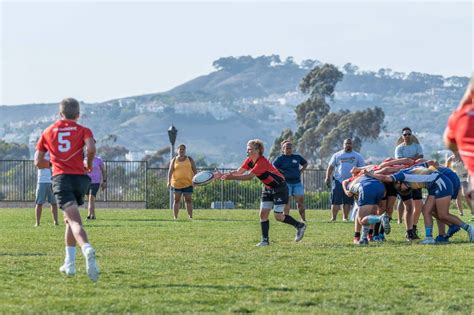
(101, 50)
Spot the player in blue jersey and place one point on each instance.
(368, 192)
(440, 192)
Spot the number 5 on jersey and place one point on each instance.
(64, 144)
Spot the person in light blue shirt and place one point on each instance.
(339, 169)
(292, 166)
(409, 147)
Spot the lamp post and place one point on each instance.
(172, 134)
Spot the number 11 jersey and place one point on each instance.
(65, 141)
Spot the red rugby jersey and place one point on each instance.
(460, 130)
(265, 171)
(65, 141)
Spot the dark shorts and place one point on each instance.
(93, 189)
(456, 183)
(415, 194)
(185, 190)
(70, 189)
(275, 198)
(390, 191)
(338, 197)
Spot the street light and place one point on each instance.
(172, 134)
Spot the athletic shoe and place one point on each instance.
(386, 223)
(428, 241)
(370, 238)
(415, 234)
(69, 269)
(263, 243)
(382, 237)
(378, 239)
(453, 229)
(441, 239)
(300, 233)
(470, 232)
(91, 266)
(408, 237)
(91, 217)
(364, 241)
(356, 240)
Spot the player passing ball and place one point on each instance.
(65, 141)
(274, 193)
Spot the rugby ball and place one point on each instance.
(203, 178)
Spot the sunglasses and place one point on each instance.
(406, 134)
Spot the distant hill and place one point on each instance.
(248, 97)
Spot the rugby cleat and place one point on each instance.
(441, 239)
(386, 223)
(69, 269)
(263, 242)
(300, 233)
(428, 241)
(364, 241)
(91, 265)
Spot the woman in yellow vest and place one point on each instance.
(180, 180)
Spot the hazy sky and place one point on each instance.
(101, 50)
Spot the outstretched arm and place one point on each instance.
(380, 177)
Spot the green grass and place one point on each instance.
(151, 264)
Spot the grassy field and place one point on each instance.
(152, 264)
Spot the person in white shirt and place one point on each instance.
(44, 193)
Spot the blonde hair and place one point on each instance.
(257, 144)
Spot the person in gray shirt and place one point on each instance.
(409, 147)
(339, 169)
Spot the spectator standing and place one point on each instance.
(98, 180)
(44, 193)
(292, 166)
(339, 169)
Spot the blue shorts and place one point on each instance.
(338, 197)
(371, 193)
(186, 190)
(453, 177)
(442, 187)
(295, 189)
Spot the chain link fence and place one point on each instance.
(134, 181)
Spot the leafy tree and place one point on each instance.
(13, 151)
(112, 153)
(321, 132)
(160, 158)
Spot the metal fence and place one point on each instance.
(136, 182)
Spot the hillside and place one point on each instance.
(252, 98)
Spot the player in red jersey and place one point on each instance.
(65, 141)
(274, 193)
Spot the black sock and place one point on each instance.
(371, 231)
(357, 234)
(376, 228)
(414, 228)
(289, 220)
(265, 228)
(381, 231)
(410, 233)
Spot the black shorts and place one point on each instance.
(93, 189)
(390, 191)
(415, 194)
(70, 189)
(277, 195)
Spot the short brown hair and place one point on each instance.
(69, 108)
(257, 144)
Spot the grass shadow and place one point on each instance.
(22, 254)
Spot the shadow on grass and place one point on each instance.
(219, 287)
(22, 254)
(228, 220)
